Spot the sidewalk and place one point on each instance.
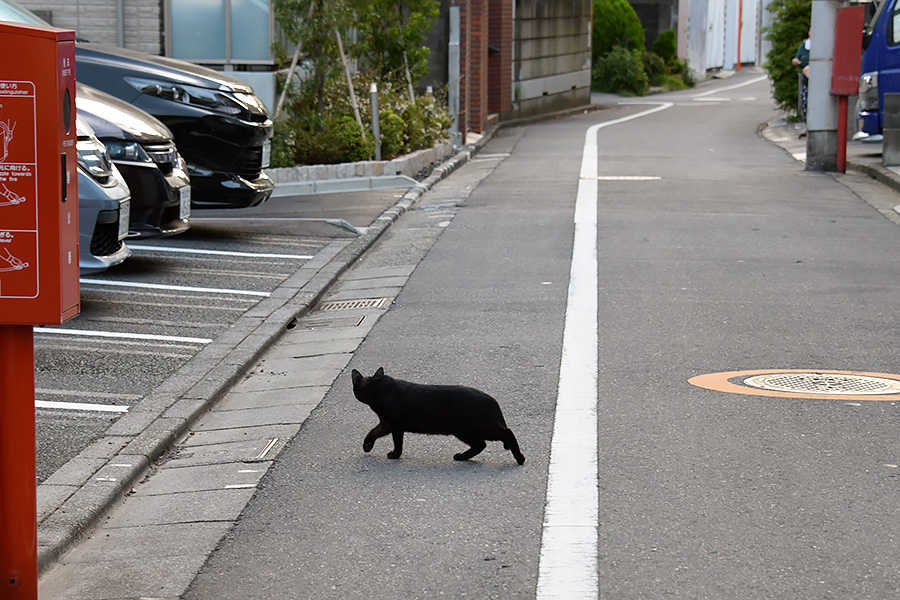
(862, 157)
(208, 435)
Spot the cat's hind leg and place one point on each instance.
(511, 444)
(378, 431)
(476, 447)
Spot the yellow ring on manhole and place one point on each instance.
(804, 383)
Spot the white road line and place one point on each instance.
(174, 288)
(731, 87)
(80, 406)
(121, 335)
(568, 561)
(628, 178)
(218, 252)
(83, 394)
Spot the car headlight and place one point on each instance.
(93, 158)
(868, 91)
(220, 101)
(127, 151)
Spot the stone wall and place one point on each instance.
(552, 56)
(96, 20)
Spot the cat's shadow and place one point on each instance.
(436, 465)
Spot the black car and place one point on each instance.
(142, 149)
(221, 127)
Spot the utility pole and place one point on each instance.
(822, 117)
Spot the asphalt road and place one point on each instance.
(142, 320)
(716, 252)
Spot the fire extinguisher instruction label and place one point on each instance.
(18, 191)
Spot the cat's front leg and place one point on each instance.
(398, 444)
(378, 431)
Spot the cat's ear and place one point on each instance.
(357, 377)
(379, 372)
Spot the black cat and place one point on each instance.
(469, 414)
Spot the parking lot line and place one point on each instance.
(219, 252)
(174, 288)
(84, 394)
(121, 335)
(81, 406)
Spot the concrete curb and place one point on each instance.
(887, 176)
(74, 498)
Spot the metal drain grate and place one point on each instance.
(354, 304)
(824, 383)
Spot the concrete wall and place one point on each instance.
(97, 20)
(551, 55)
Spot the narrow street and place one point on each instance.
(714, 252)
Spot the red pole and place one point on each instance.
(842, 135)
(18, 487)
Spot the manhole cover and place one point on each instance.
(800, 383)
(824, 383)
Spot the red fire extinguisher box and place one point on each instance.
(38, 176)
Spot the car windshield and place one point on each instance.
(10, 11)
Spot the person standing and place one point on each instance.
(801, 59)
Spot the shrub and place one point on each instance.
(665, 45)
(788, 30)
(655, 68)
(331, 135)
(681, 69)
(621, 71)
(615, 24)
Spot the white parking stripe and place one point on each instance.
(568, 560)
(120, 335)
(174, 288)
(83, 394)
(81, 406)
(219, 252)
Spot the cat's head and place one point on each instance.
(363, 387)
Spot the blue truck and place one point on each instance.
(880, 67)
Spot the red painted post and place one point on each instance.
(842, 135)
(39, 284)
(18, 485)
(848, 34)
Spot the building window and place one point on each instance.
(220, 32)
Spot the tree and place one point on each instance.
(788, 30)
(616, 24)
(312, 23)
(391, 36)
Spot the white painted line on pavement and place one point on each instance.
(568, 561)
(80, 406)
(732, 87)
(218, 252)
(83, 394)
(628, 178)
(120, 335)
(174, 288)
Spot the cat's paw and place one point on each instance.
(393, 454)
(520, 458)
(460, 456)
(368, 445)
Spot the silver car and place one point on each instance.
(104, 204)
